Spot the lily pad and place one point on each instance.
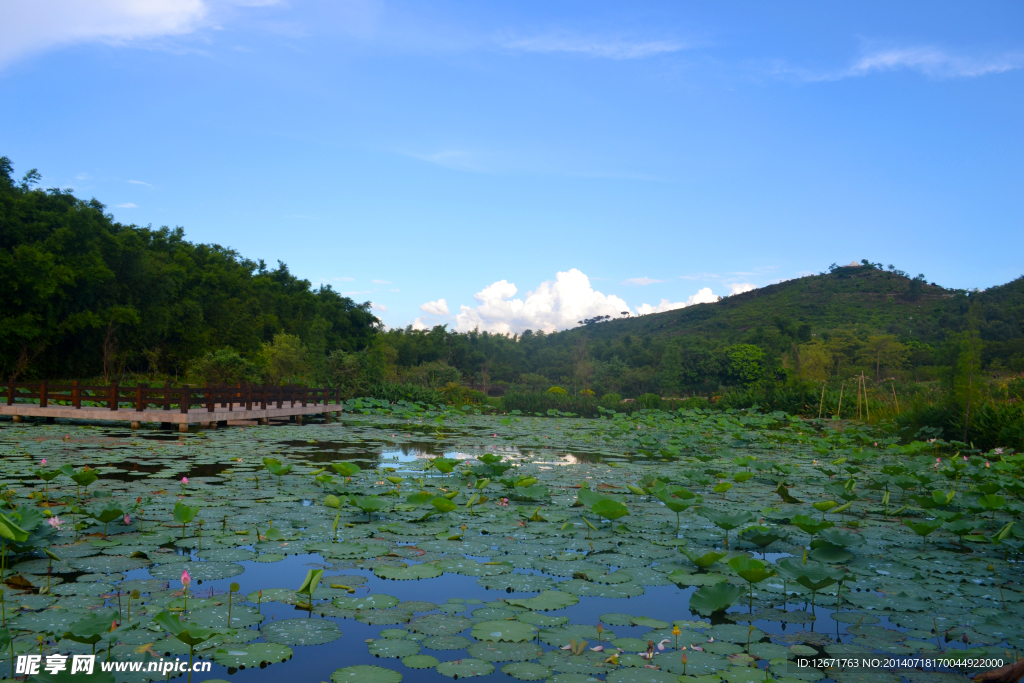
(392, 647)
(416, 571)
(376, 601)
(546, 601)
(504, 652)
(363, 673)
(447, 642)
(465, 668)
(439, 624)
(301, 631)
(420, 661)
(251, 654)
(512, 631)
(527, 671)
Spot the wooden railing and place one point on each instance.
(184, 398)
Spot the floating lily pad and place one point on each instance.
(527, 671)
(251, 654)
(447, 642)
(203, 571)
(363, 673)
(439, 624)
(512, 631)
(517, 583)
(301, 632)
(416, 571)
(391, 647)
(546, 601)
(420, 661)
(504, 652)
(465, 668)
(377, 601)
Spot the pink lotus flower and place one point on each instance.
(43, 463)
(184, 481)
(55, 522)
(186, 578)
(127, 520)
(503, 502)
(997, 451)
(987, 464)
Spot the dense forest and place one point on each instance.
(86, 297)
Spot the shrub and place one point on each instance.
(223, 367)
(650, 401)
(612, 401)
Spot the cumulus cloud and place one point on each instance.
(418, 324)
(378, 307)
(439, 307)
(39, 25)
(641, 281)
(593, 46)
(554, 305)
(740, 287)
(703, 296)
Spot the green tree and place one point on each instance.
(285, 360)
(746, 363)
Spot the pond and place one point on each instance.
(442, 544)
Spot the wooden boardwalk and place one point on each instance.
(182, 406)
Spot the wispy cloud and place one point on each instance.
(127, 205)
(932, 62)
(381, 282)
(139, 182)
(642, 281)
(593, 46)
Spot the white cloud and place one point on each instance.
(128, 205)
(740, 287)
(589, 46)
(934, 63)
(930, 61)
(418, 324)
(554, 305)
(439, 307)
(38, 25)
(139, 182)
(378, 307)
(344, 279)
(703, 296)
(641, 281)
(381, 282)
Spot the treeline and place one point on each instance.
(84, 296)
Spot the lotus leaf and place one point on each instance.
(465, 668)
(527, 671)
(301, 632)
(364, 674)
(512, 631)
(390, 647)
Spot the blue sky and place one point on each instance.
(575, 157)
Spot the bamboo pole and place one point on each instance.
(867, 409)
(821, 404)
(839, 412)
(858, 398)
(894, 397)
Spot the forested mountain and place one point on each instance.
(83, 296)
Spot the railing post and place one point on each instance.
(305, 395)
(140, 395)
(264, 401)
(210, 398)
(113, 396)
(186, 399)
(248, 397)
(76, 395)
(42, 394)
(167, 394)
(10, 394)
(280, 397)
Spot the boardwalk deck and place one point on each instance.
(154, 404)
